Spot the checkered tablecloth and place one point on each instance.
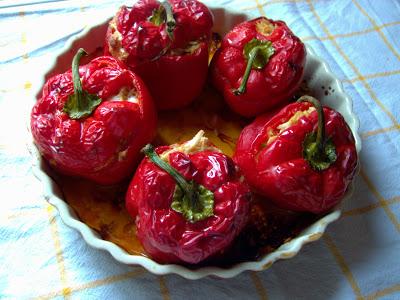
(359, 257)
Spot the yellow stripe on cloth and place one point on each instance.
(261, 291)
(343, 265)
(66, 291)
(368, 208)
(24, 39)
(29, 212)
(372, 76)
(381, 200)
(163, 288)
(27, 85)
(368, 134)
(260, 8)
(384, 292)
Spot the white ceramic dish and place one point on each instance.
(317, 74)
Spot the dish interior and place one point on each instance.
(102, 208)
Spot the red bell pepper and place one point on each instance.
(302, 159)
(260, 65)
(189, 200)
(166, 44)
(92, 121)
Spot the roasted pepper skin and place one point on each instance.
(105, 146)
(269, 87)
(278, 171)
(164, 233)
(176, 77)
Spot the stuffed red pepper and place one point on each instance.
(166, 44)
(189, 200)
(303, 158)
(93, 120)
(259, 66)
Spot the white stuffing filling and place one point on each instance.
(198, 143)
(293, 120)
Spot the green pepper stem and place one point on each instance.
(170, 22)
(164, 14)
(80, 104)
(318, 151)
(320, 140)
(188, 188)
(78, 91)
(191, 199)
(252, 56)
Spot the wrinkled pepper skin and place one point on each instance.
(273, 164)
(105, 146)
(176, 77)
(269, 87)
(164, 233)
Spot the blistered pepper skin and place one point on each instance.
(269, 87)
(105, 146)
(176, 77)
(164, 233)
(277, 169)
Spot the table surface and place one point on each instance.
(358, 257)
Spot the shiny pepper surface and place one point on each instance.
(166, 44)
(166, 234)
(272, 154)
(104, 145)
(259, 66)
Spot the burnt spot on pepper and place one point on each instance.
(265, 27)
(105, 230)
(225, 138)
(215, 44)
(295, 67)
